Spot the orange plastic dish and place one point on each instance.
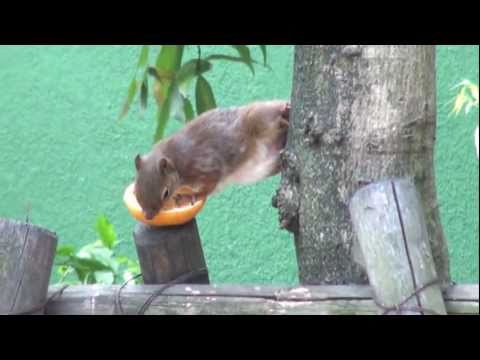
(170, 216)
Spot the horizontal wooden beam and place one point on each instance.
(238, 300)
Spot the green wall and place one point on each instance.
(457, 164)
(64, 153)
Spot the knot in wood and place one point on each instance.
(287, 201)
(372, 146)
(333, 137)
(289, 222)
(288, 162)
(314, 130)
(352, 51)
(275, 200)
(289, 166)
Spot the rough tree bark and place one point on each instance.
(359, 114)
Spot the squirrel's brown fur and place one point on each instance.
(223, 146)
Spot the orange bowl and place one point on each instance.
(171, 215)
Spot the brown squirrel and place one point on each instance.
(239, 145)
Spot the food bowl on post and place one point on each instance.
(171, 215)
(168, 246)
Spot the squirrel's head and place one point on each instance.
(156, 181)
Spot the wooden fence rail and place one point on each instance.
(239, 300)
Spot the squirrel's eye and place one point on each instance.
(165, 194)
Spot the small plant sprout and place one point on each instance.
(96, 262)
(466, 100)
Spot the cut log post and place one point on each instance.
(166, 253)
(26, 259)
(389, 223)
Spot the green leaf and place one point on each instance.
(264, 53)
(170, 59)
(173, 106)
(63, 271)
(154, 73)
(63, 254)
(96, 252)
(188, 110)
(132, 270)
(466, 99)
(243, 51)
(81, 274)
(133, 88)
(65, 250)
(122, 260)
(104, 277)
(168, 63)
(87, 264)
(90, 278)
(191, 69)
(162, 118)
(230, 58)
(176, 104)
(100, 255)
(132, 91)
(245, 55)
(204, 96)
(134, 267)
(114, 265)
(144, 94)
(460, 101)
(143, 60)
(106, 232)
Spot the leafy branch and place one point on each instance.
(173, 76)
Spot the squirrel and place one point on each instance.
(238, 145)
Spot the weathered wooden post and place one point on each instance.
(26, 259)
(166, 253)
(389, 222)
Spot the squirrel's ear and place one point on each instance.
(138, 162)
(165, 166)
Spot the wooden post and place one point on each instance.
(389, 222)
(26, 260)
(166, 253)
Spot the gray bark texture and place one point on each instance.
(360, 114)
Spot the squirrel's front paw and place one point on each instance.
(183, 199)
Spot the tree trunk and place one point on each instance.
(360, 114)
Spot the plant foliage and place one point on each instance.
(172, 76)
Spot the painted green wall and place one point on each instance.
(456, 163)
(63, 152)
